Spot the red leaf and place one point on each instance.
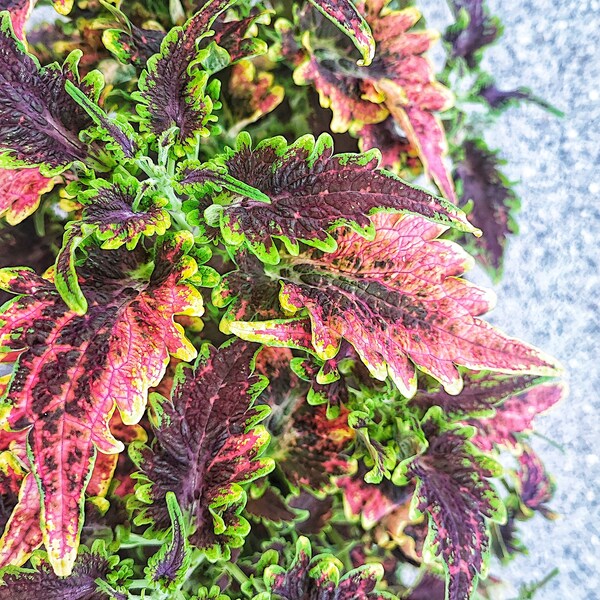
(399, 301)
(21, 191)
(74, 369)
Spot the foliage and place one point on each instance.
(253, 368)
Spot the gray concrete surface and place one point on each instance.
(550, 293)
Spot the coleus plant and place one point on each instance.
(279, 333)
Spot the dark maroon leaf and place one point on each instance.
(39, 121)
(429, 587)
(494, 202)
(453, 489)
(319, 578)
(311, 191)
(536, 488)
(481, 392)
(43, 583)
(207, 444)
(479, 30)
(173, 88)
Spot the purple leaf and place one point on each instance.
(453, 489)
(494, 203)
(481, 392)
(173, 87)
(39, 121)
(43, 583)
(207, 445)
(479, 30)
(319, 577)
(311, 192)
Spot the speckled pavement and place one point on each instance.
(550, 293)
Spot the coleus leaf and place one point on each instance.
(207, 446)
(397, 153)
(481, 393)
(429, 587)
(344, 15)
(371, 502)
(400, 83)
(454, 491)
(73, 369)
(494, 203)
(92, 569)
(253, 94)
(535, 487)
(23, 533)
(412, 94)
(116, 213)
(248, 293)
(174, 91)
(168, 567)
(19, 13)
(397, 299)
(515, 415)
(311, 192)
(474, 29)
(21, 191)
(319, 577)
(313, 449)
(39, 121)
(136, 45)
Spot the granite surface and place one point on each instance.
(550, 293)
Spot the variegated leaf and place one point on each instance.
(74, 369)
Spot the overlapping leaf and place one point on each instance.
(253, 93)
(494, 203)
(23, 531)
(136, 45)
(454, 491)
(116, 214)
(515, 416)
(21, 191)
(481, 393)
(92, 566)
(174, 90)
(397, 299)
(319, 577)
(313, 449)
(73, 369)
(400, 83)
(344, 15)
(207, 445)
(39, 121)
(311, 191)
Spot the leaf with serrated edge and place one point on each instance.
(312, 192)
(515, 415)
(169, 565)
(453, 489)
(343, 14)
(397, 299)
(116, 214)
(21, 191)
(39, 122)
(173, 88)
(207, 446)
(73, 369)
(319, 577)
